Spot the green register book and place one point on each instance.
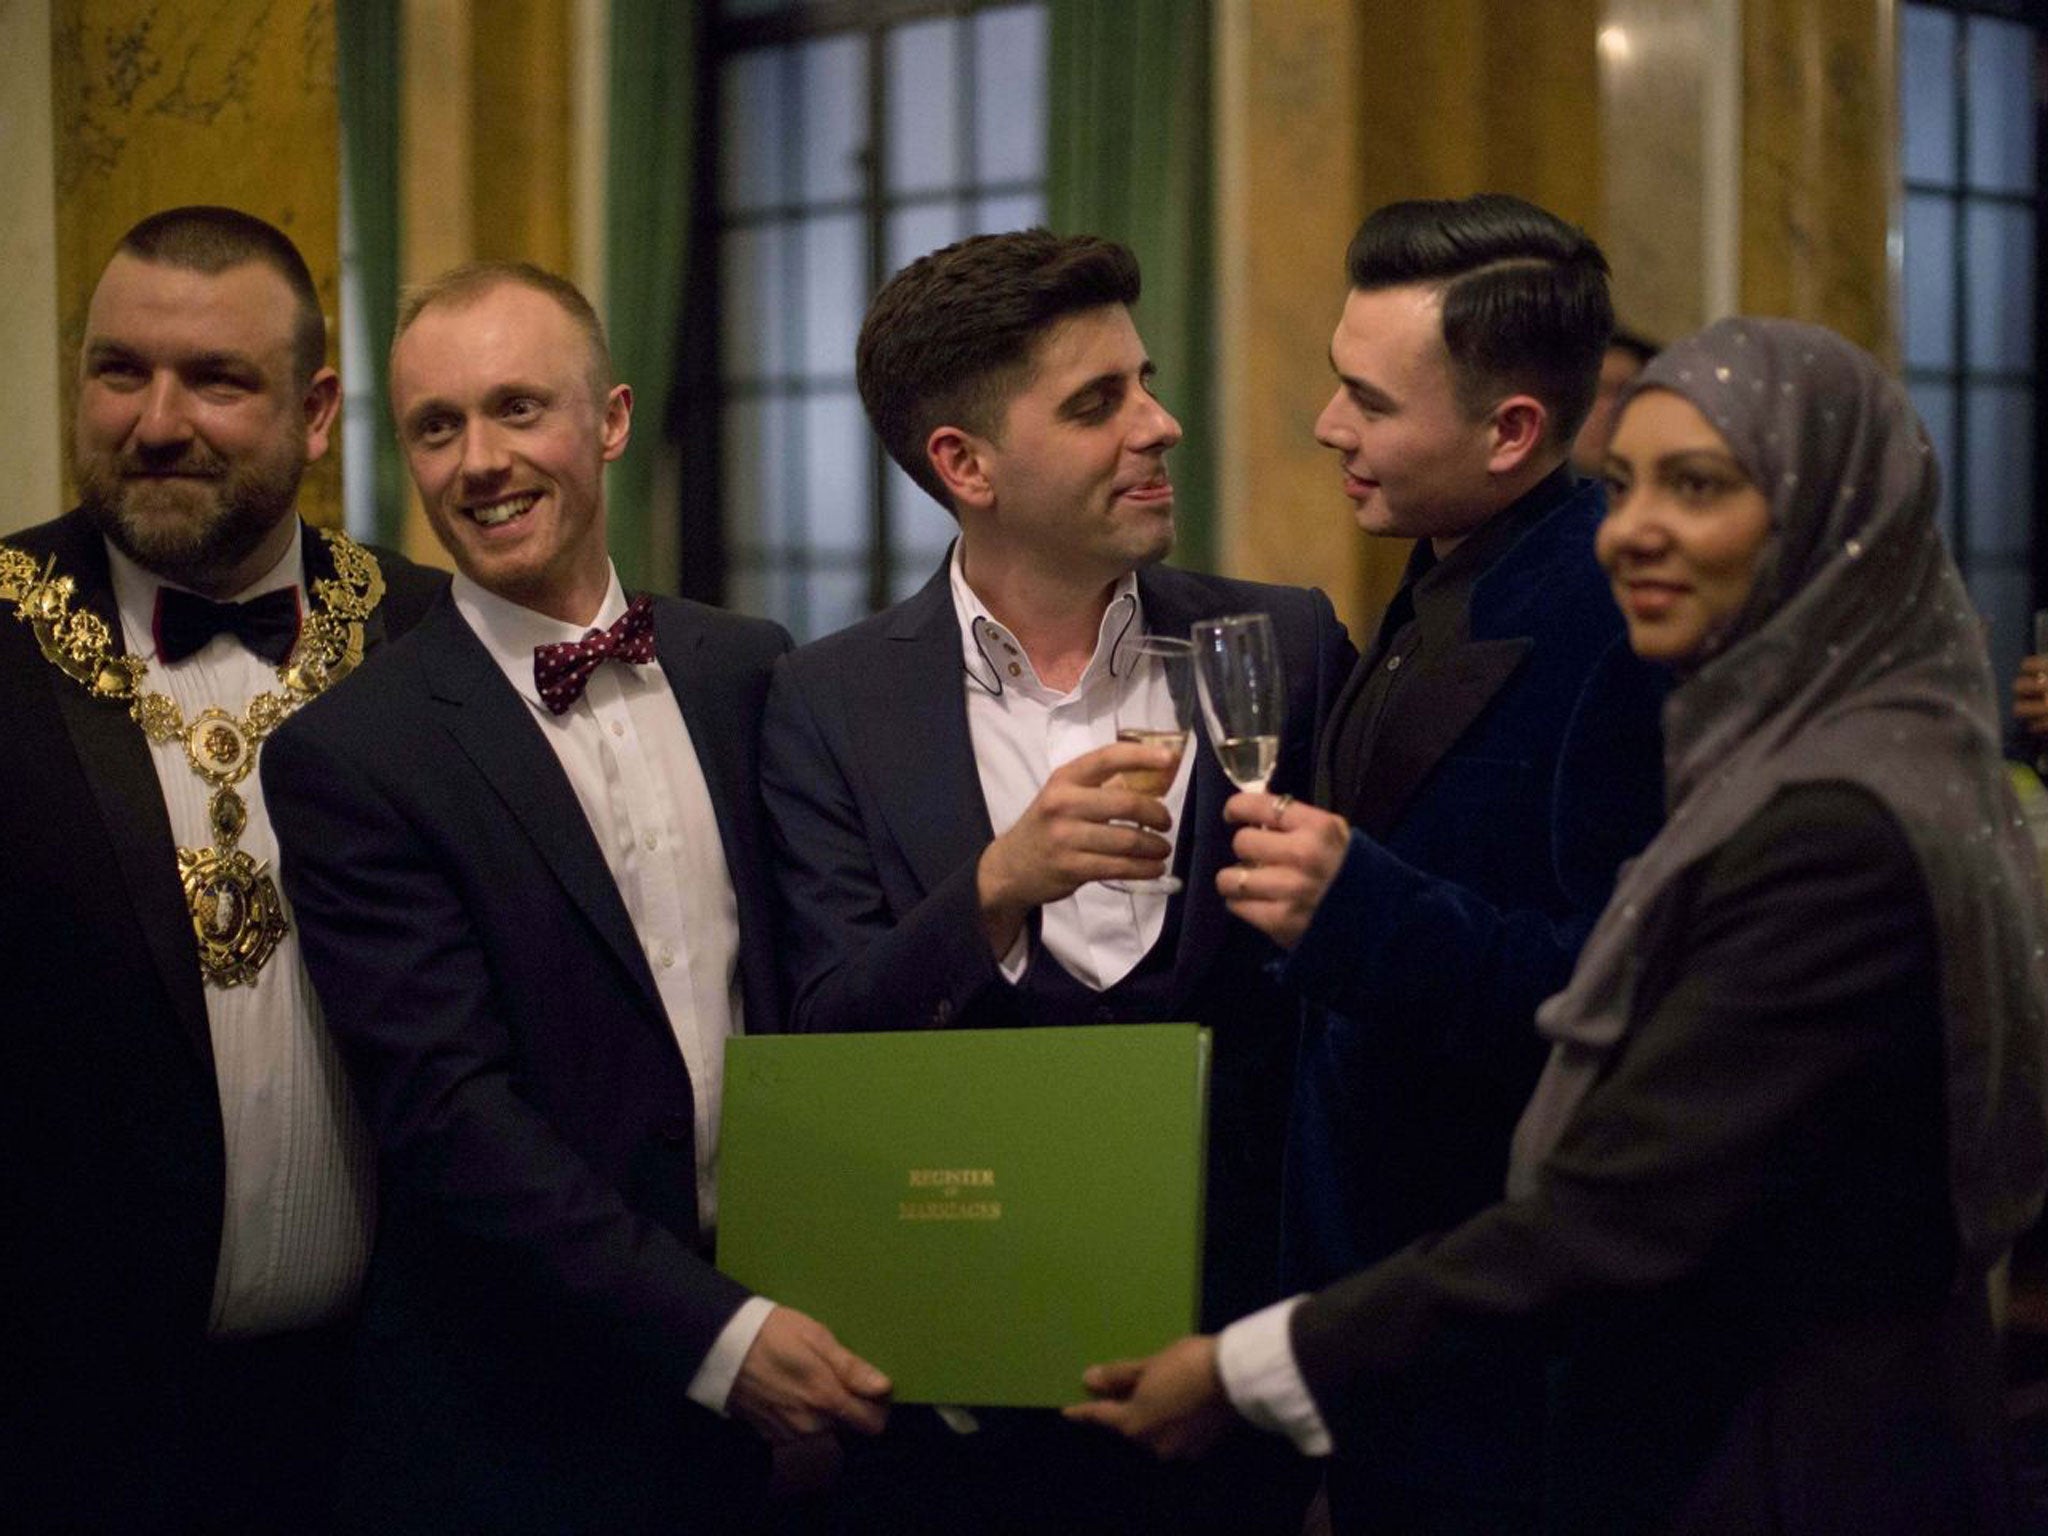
(980, 1212)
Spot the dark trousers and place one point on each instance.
(1028, 1472)
(226, 1439)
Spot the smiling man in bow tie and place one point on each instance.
(184, 1179)
(528, 855)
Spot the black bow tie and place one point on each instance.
(267, 625)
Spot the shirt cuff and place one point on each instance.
(1255, 1358)
(1012, 965)
(712, 1384)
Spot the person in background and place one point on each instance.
(528, 854)
(1627, 355)
(1794, 1110)
(185, 1180)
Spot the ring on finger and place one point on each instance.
(1280, 804)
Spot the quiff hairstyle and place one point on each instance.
(463, 285)
(208, 239)
(952, 338)
(1524, 296)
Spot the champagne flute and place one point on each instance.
(1244, 697)
(1155, 707)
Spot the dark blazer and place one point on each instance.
(1740, 1259)
(111, 1153)
(1508, 786)
(541, 1295)
(879, 819)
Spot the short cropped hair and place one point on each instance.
(1525, 301)
(952, 337)
(1634, 343)
(208, 239)
(473, 279)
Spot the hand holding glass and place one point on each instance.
(1244, 697)
(1155, 707)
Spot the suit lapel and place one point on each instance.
(129, 797)
(907, 714)
(723, 731)
(1425, 720)
(492, 725)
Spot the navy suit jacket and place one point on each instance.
(112, 1163)
(879, 821)
(540, 1297)
(1501, 802)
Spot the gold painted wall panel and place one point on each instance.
(1329, 109)
(1286, 206)
(1818, 164)
(520, 133)
(159, 103)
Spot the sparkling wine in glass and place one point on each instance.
(1244, 697)
(1155, 706)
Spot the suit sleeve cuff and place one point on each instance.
(712, 1384)
(1255, 1358)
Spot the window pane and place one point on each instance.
(2003, 597)
(1936, 404)
(919, 529)
(835, 107)
(759, 589)
(1927, 92)
(835, 599)
(922, 228)
(2001, 94)
(836, 491)
(1998, 497)
(1930, 282)
(756, 438)
(835, 280)
(993, 215)
(754, 276)
(2001, 256)
(924, 117)
(750, 140)
(1009, 94)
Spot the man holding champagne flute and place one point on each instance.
(963, 841)
(1490, 764)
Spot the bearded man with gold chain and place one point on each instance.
(186, 1182)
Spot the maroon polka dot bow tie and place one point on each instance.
(561, 671)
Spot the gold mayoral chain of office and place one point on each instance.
(237, 914)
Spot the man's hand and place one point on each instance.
(1291, 853)
(1065, 838)
(1172, 1404)
(797, 1380)
(2030, 697)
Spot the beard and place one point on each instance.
(193, 518)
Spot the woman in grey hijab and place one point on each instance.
(1794, 1111)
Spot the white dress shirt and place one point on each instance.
(1023, 730)
(295, 1230)
(626, 751)
(1255, 1358)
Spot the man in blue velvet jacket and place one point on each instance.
(1493, 759)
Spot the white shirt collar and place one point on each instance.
(995, 658)
(510, 632)
(135, 589)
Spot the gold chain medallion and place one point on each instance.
(237, 914)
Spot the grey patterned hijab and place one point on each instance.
(1856, 658)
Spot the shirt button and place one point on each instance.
(667, 956)
(1015, 670)
(618, 727)
(1393, 663)
(651, 842)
